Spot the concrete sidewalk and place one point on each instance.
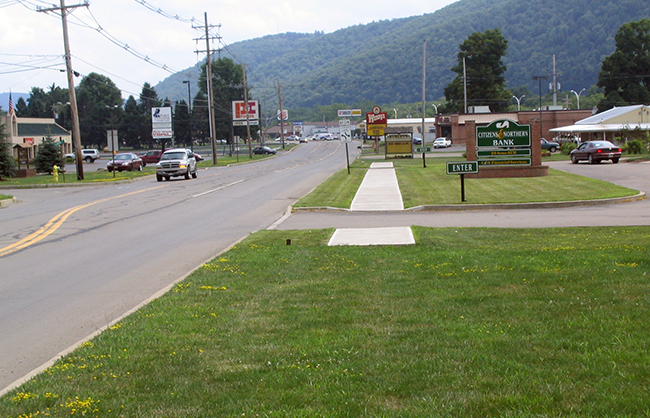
(379, 191)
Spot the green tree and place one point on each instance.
(148, 100)
(182, 123)
(133, 122)
(6, 158)
(22, 110)
(100, 108)
(48, 155)
(625, 75)
(483, 54)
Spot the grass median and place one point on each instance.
(432, 186)
(467, 323)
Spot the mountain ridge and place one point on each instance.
(382, 61)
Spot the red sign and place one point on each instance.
(376, 119)
(239, 109)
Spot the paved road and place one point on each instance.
(633, 175)
(121, 244)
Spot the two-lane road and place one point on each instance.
(75, 259)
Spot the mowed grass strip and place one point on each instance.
(433, 186)
(467, 323)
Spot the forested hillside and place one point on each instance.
(382, 61)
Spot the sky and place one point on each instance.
(160, 34)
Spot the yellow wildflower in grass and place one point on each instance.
(23, 396)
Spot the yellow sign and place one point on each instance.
(375, 131)
(399, 144)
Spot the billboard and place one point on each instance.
(239, 110)
(161, 122)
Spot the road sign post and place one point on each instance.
(346, 137)
(462, 168)
(424, 151)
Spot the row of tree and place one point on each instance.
(101, 108)
(480, 80)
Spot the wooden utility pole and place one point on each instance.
(281, 113)
(248, 126)
(208, 76)
(76, 132)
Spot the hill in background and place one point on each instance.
(382, 61)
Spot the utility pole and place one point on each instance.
(248, 126)
(76, 132)
(208, 72)
(281, 113)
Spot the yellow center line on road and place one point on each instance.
(54, 224)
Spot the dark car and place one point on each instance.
(151, 157)
(264, 150)
(126, 161)
(550, 146)
(595, 152)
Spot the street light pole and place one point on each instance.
(540, 78)
(578, 96)
(189, 110)
(518, 99)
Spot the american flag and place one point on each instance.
(11, 105)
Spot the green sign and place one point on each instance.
(423, 150)
(503, 134)
(503, 153)
(465, 167)
(510, 161)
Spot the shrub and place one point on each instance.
(567, 147)
(634, 147)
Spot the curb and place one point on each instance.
(7, 202)
(495, 206)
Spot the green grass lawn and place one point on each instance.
(467, 323)
(432, 186)
(105, 176)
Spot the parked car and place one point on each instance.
(442, 142)
(550, 146)
(264, 150)
(88, 155)
(595, 152)
(176, 162)
(417, 141)
(126, 161)
(151, 157)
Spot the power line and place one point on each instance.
(165, 14)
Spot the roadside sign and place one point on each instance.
(503, 133)
(240, 110)
(504, 153)
(375, 131)
(346, 134)
(464, 167)
(422, 150)
(344, 122)
(345, 113)
(356, 112)
(511, 161)
(161, 122)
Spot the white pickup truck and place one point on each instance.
(442, 143)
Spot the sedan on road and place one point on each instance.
(595, 152)
(264, 150)
(125, 162)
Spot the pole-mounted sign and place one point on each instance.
(462, 168)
